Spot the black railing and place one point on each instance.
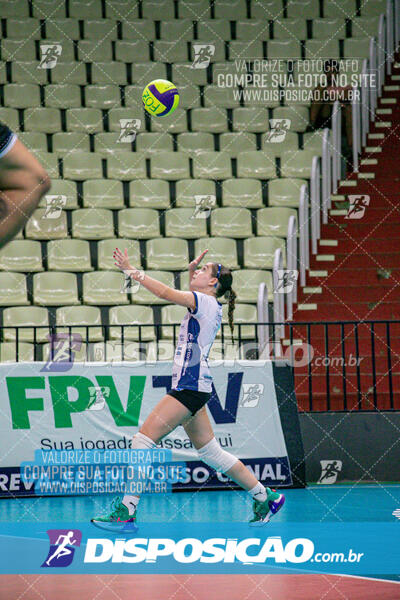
(337, 365)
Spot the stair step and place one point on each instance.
(325, 257)
(383, 111)
(373, 149)
(295, 342)
(348, 183)
(388, 100)
(366, 175)
(376, 136)
(338, 212)
(318, 273)
(396, 77)
(338, 197)
(312, 290)
(392, 88)
(369, 161)
(307, 306)
(328, 242)
(382, 124)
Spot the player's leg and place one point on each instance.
(266, 501)
(23, 181)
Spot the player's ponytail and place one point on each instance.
(224, 288)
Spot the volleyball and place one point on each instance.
(160, 97)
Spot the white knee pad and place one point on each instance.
(217, 458)
(140, 441)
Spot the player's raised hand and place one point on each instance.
(195, 263)
(122, 260)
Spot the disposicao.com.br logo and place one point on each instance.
(212, 550)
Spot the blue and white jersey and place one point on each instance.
(196, 335)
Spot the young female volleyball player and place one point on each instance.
(184, 404)
(23, 182)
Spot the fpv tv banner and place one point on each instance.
(99, 407)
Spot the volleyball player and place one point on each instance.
(185, 403)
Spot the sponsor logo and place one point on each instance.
(286, 280)
(49, 54)
(62, 349)
(357, 206)
(62, 547)
(329, 471)
(204, 204)
(54, 206)
(202, 55)
(278, 130)
(128, 131)
(252, 393)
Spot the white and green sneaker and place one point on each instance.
(118, 520)
(263, 511)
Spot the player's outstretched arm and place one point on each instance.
(157, 288)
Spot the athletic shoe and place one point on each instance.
(119, 519)
(263, 511)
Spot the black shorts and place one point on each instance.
(192, 399)
(7, 139)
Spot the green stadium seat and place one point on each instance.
(273, 221)
(152, 143)
(142, 73)
(149, 193)
(43, 8)
(267, 9)
(27, 72)
(68, 255)
(322, 49)
(356, 47)
(115, 351)
(290, 28)
(260, 165)
(21, 95)
(297, 163)
(285, 192)
(194, 9)
(213, 28)
(254, 119)
(313, 142)
(138, 223)
(170, 165)
(68, 28)
(49, 162)
(299, 116)
(225, 9)
(259, 251)
(13, 9)
(35, 141)
(102, 96)
(68, 51)
(100, 29)
(344, 9)
(241, 50)
(218, 96)
(170, 52)
(309, 9)
(377, 7)
(116, 114)
(131, 52)
(21, 255)
(111, 73)
(53, 289)
(9, 352)
(183, 74)
(62, 187)
(247, 281)
(63, 74)
(89, 120)
(152, 9)
(192, 143)
(220, 249)
(231, 221)
(365, 26)
(291, 142)
(235, 143)
(329, 28)
(252, 29)
(102, 193)
(107, 144)
(133, 315)
(242, 192)
(68, 143)
(213, 120)
(138, 29)
(244, 313)
(126, 166)
(177, 29)
(63, 96)
(143, 296)
(45, 227)
(180, 223)
(189, 96)
(122, 10)
(175, 123)
(283, 49)
(187, 189)
(104, 288)
(30, 27)
(13, 289)
(79, 356)
(92, 224)
(216, 43)
(85, 9)
(9, 116)
(212, 165)
(82, 165)
(167, 254)
(69, 317)
(20, 317)
(171, 315)
(105, 249)
(17, 50)
(295, 95)
(95, 50)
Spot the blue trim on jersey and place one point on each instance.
(196, 301)
(190, 373)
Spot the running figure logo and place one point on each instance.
(62, 547)
(129, 129)
(286, 280)
(357, 206)
(329, 471)
(252, 393)
(50, 53)
(278, 131)
(202, 55)
(54, 206)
